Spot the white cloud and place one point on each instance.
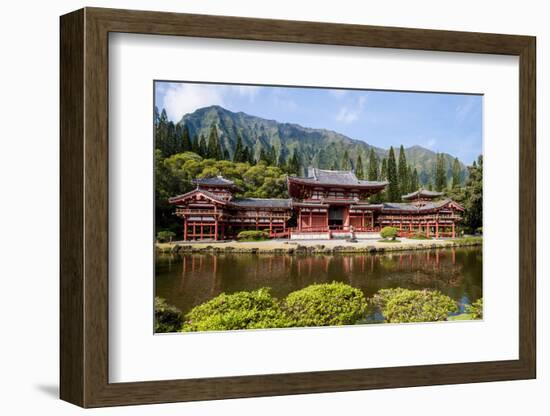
(248, 91)
(430, 144)
(349, 114)
(463, 110)
(181, 99)
(338, 93)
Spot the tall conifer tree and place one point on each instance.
(393, 186)
(403, 172)
(373, 166)
(238, 155)
(213, 150)
(456, 173)
(186, 140)
(359, 167)
(440, 179)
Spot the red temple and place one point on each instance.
(325, 204)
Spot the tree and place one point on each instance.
(345, 164)
(239, 151)
(202, 146)
(359, 167)
(473, 200)
(403, 172)
(393, 186)
(414, 181)
(294, 164)
(213, 150)
(272, 156)
(384, 170)
(373, 166)
(440, 179)
(186, 144)
(456, 173)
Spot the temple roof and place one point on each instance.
(261, 202)
(335, 177)
(422, 193)
(404, 206)
(215, 181)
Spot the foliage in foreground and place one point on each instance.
(253, 235)
(324, 305)
(168, 318)
(241, 310)
(419, 236)
(388, 232)
(476, 309)
(165, 236)
(405, 305)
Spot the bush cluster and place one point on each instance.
(476, 309)
(168, 318)
(405, 305)
(165, 236)
(418, 235)
(316, 305)
(388, 232)
(253, 235)
(324, 305)
(240, 310)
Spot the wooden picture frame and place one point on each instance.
(84, 207)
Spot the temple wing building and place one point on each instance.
(325, 204)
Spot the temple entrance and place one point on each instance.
(336, 217)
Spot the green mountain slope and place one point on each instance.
(318, 147)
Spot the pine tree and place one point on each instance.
(202, 146)
(359, 167)
(245, 155)
(226, 155)
(403, 172)
(213, 150)
(263, 156)
(282, 160)
(186, 144)
(456, 173)
(440, 179)
(393, 186)
(238, 155)
(195, 144)
(384, 170)
(415, 185)
(373, 166)
(294, 164)
(272, 156)
(345, 163)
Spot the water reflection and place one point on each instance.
(191, 279)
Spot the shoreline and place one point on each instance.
(312, 246)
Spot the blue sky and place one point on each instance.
(450, 123)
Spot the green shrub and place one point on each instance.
(479, 230)
(404, 305)
(325, 304)
(476, 309)
(419, 235)
(165, 236)
(168, 318)
(388, 232)
(241, 310)
(253, 235)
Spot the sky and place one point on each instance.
(450, 123)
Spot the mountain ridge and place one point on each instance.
(319, 147)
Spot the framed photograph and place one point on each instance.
(256, 207)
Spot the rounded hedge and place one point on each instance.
(241, 310)
(253, 235)
(324, 305)
(388, 232)
(476, 309)
(168, 318)
(165, 236)
(404, 305)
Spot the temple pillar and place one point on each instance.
(184, 228)
(437, 229)
(453, 232)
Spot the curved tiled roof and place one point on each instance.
(261, 202)
(335, 177)
(422, 193)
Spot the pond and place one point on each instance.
(191, 279)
